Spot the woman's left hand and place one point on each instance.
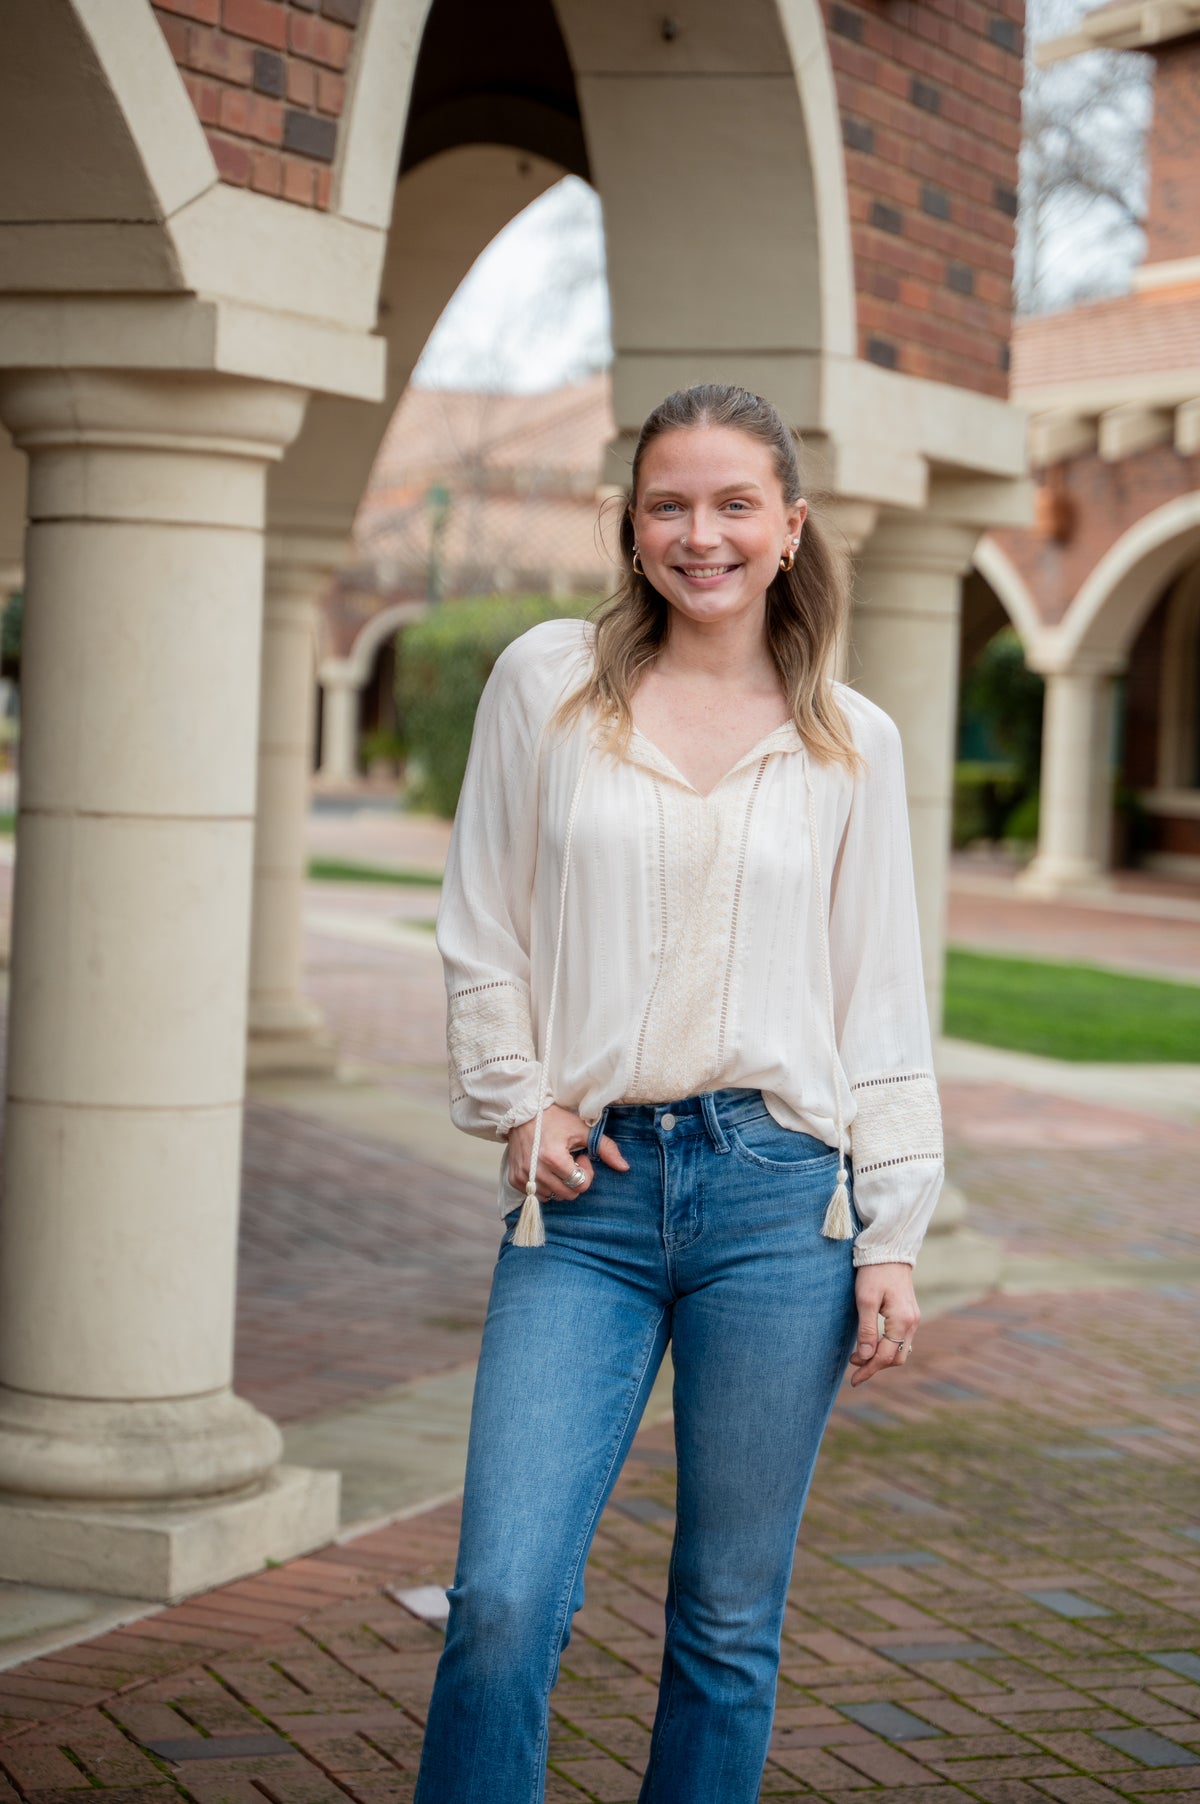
(887, 1291)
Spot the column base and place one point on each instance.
(168, 1551)
(296, 1052)
(133, 1454)
(288, 1036)
(956, 1264)
(1052, 877)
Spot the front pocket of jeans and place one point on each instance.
(768, 1146)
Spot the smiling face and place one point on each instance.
(711, 521)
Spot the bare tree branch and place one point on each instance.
(1082, 184)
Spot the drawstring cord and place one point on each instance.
(531, 1229)
(837, 1224)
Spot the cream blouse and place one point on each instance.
(764, 935)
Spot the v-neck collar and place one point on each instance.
(644, 751)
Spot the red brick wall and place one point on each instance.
(1105, 500)
(929, 92)
(267, 80)
(930, 97)
(1173, 219)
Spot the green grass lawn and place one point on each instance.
(1070, 1011)
(331, 870)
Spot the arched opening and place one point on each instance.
(999, 734)
(1159, 768)
(737, 125)
(494, 75)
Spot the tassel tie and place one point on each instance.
(530, 1230)
(837, 1224)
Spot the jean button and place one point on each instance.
(668, 1121)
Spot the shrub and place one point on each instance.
(985, 793)
(1002, 693)
(1022, 823)
(442, 664)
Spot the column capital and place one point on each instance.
(191, 336)
(138, 445)
(920, 542)
(1091, 665)
(854, 520)
(339, 673)
(301, 562)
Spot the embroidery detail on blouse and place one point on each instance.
(703, 850)
(488, 1024)
(899, 1122)
(900, 1077)
(738, 882)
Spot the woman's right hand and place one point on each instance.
(562, 1130)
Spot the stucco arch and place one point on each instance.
(379, 628)
(443, 214)
(744, 103)
(1104, 617)
(1010, 590)
(368, 155)
(96, 132)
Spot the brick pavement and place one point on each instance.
(996, 1597)
(998, 1587)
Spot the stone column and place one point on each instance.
(904, 637)
(341, 687)
(12, 576)
(904, 655)
(849, 524)
(127, 1464)
(286, 1031)
(1075, 815)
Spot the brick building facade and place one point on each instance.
(1106, 582)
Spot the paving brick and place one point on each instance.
(891, 1721)
(37, 1766)
(1068, 1603)
(1187, 1664)
(885, 1765)
(1150, 1748)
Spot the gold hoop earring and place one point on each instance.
(637, 568)
(788, 559)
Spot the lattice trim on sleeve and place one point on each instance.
(488, 1024)
(898, 1121)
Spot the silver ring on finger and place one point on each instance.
(576, 1176)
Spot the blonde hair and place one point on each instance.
(806, 606)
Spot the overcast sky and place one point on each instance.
(533, 311)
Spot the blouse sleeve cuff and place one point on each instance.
(899, 1164)
(495, 1077)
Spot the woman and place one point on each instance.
(681, 870)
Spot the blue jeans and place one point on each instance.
(712, 1241)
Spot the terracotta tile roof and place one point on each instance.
(435, 432)
(1154, 332)
(522, 474)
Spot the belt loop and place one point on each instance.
(595, 1132)
(712, 1121)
